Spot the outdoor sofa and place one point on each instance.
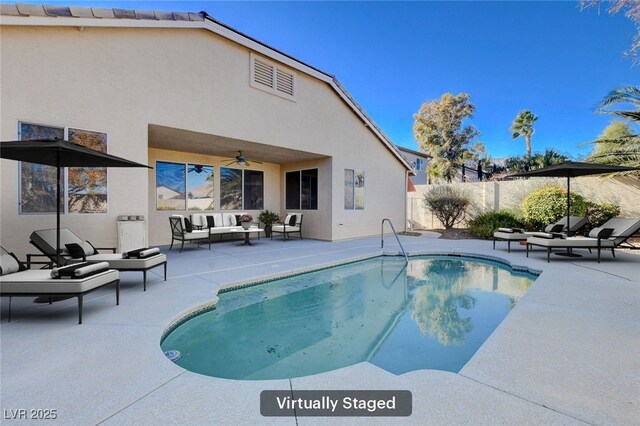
(45, 241)
(518, 234)
(218, 223)
(610, 235)
(18, 281)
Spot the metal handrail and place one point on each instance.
(394, 233)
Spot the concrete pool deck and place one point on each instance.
(568, 353)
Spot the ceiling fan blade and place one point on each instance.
(230, 162)
(257, 162)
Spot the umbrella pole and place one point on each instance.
(568, 206)
(58, 212)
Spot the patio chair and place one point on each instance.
(18, 281)
(181, 231)
(612, 234)
(518, 234)
(74, 250)
(292, 223)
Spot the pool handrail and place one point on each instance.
(394, 233)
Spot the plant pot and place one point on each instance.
(245, 225)
(267, 231)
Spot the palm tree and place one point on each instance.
(523, 126)
(550, 157)
(623, 95)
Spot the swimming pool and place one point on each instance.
(433, 313)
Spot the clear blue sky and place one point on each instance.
(546, 56)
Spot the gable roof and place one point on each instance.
(44, 15)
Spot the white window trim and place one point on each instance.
(273, 89)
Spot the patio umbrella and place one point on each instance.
(573, 169)
(60, 153)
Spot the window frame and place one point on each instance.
(300, 190)
(354, 189)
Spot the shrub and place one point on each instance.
(597, 214)
(449, 205)
(483, 226)
(548, 205)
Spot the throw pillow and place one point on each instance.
(238, 223)
(75, 250)
(187, 225)
(8, 264)
(89, 249)
(292, 221)
(211, 222)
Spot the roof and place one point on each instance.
(411, 151)
(20, 14)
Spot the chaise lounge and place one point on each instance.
(45, 241)
(517, 234)
(612, 234)
(18, 281)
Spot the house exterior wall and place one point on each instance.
(120, 80)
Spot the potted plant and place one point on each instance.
(245, 220)
(268, 218)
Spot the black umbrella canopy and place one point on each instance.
(60, 153)
(573, 169)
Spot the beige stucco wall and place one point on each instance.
(121, 80)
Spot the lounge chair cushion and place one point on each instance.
(511, 230)
(79, 270)
(116, 261)
(39, 281)
(573, 242)
(548, 235)
(281, 228)
(511, 236)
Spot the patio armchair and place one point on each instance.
(610, 235)
(292, 224)
(73, 250)
(18, 281)
(518, 234)
(182, 231)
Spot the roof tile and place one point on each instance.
(100, 12)
(80, 12)
(57, 10)
(30, 9)
(124, 13)
(9, 9)
(180, 16)
(145, 14)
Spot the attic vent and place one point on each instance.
(269, 77)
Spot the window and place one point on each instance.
(170, 186)
(87, 186)
(301, 190)
(353, 189)
(419, 164)
(37, 181)
(84, 189)
(182, 186)
(199, 187)
(272, 78)
(241, 189)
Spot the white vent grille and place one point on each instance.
(270, 77)
(263, 73)
(284, 82)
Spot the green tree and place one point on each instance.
(523, 126)
(623, 95)
(550, 157)
(439, 130)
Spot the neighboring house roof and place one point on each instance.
(416, 153)
(43, 15)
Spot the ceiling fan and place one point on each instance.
(241, 160)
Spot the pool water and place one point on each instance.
(433, 313)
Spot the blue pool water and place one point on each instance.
(433, 313)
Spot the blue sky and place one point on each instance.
(546, 56)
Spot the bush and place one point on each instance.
(449, 205)
(548, 205)
(598, 214)
(483, 226)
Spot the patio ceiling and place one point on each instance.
(181, 140)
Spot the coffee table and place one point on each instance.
(247, 232)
